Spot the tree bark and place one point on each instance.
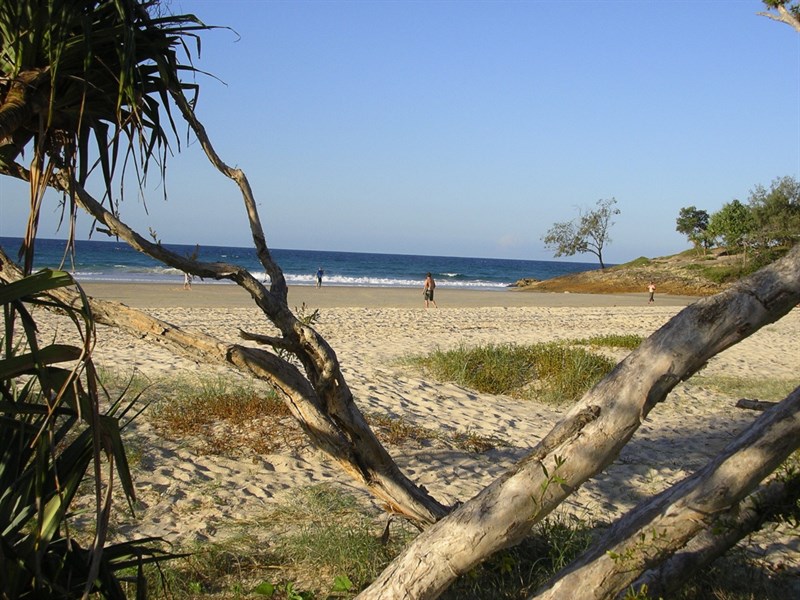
(590, 436)
(754, 404)
(773, 501)
(655, 530)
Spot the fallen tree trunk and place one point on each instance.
(590, 436)
(754, 404)
(776, 500)
(655, 530)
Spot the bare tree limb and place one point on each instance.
(754, 404)
(590, 436)
(653, 531)
(339, 430)
(775, 500)
(783, 16)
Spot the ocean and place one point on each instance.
(110, 261)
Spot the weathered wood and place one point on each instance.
(770, 502)
(580, 447)
(656, 529)
(759, 405)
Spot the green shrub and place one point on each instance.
(551, 372)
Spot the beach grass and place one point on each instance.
(756, 388)
(231, 417)
(553, 372)
(627, 341)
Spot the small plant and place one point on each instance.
(628, 341)
(551, 372)
(221, 415)
(53, 436)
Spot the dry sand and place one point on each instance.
(188, 497)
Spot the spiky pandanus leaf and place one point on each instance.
(51, 433)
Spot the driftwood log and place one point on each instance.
(590, 436)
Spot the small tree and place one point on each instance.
(693, 223)
(588, 233)
(733, 223)
(776, 212)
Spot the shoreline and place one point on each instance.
(167, 295)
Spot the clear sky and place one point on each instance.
(468, 128)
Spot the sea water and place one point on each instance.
(111, 261)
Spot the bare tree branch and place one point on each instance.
(590, 436)
(773, 501)
(652, 532)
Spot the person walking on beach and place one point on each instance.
(320, 273)
(427, 290)
(651, 289)
(187, 281)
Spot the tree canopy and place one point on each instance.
(769, 220)
(693, 223)
(586, 234)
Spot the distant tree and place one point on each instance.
(786, 11)
(693, 223)
(733, 224)
(587, 234)
(776, 213)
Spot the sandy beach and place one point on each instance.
(190, 497)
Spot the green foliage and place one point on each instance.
(693, 223)
(51, 433)
(776, 213)
(587, 234)
(550, 372)
(733, 223)
(628, 341)
(90, 80)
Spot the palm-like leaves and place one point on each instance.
(87, 82)
(51, 432)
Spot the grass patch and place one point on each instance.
(743, 387)
(611, 340)
(551, 372)
(642, 261)
(398, 431)
(226, 417)
(233, 418)
(332, 539)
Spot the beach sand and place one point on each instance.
(187, 497)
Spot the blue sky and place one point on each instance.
(469, 128)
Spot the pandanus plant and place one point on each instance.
(53, 437)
